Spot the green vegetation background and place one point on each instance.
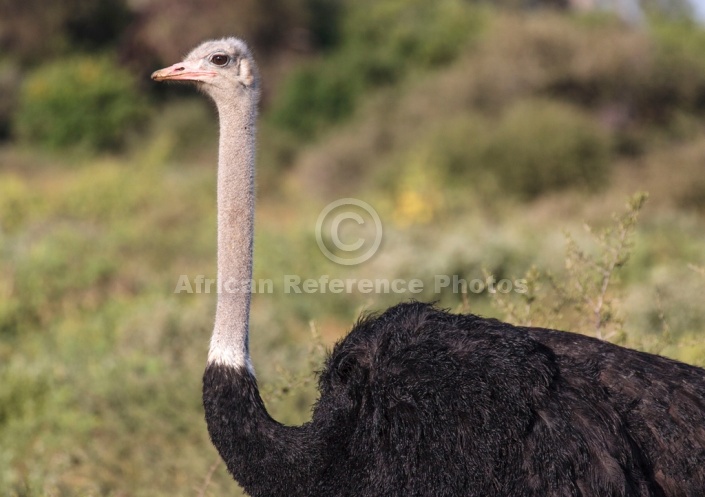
(487, 138)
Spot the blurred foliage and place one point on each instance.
(16, 201)
(80, 101)
(9, 88)
(59, 274)
(541, 147)
(535, 147)
(382, 43)
(479, 135)
(275, 28)
(33, 30)
(678, 78)
(550, 102)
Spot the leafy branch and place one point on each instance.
(581, 299)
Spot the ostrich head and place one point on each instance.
(218, 68)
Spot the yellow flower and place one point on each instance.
(412, 208)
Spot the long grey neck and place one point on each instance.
(236, 204)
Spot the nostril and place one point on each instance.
(179, 69)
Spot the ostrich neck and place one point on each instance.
(246, 437)
(236, 203)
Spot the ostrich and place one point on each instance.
(417, 401)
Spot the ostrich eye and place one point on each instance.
(219, 59)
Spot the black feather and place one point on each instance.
(421, 402)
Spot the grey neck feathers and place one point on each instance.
(236, 203)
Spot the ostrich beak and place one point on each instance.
(182, 71)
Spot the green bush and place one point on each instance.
(677, 81)
(541, 146)
(313, 97)
(382, 42)
(87, 101)
(536, 146)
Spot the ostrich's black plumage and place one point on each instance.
(421, 402)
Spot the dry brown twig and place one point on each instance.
(209, 477)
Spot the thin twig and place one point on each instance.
(207, 481)
(617, 251)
